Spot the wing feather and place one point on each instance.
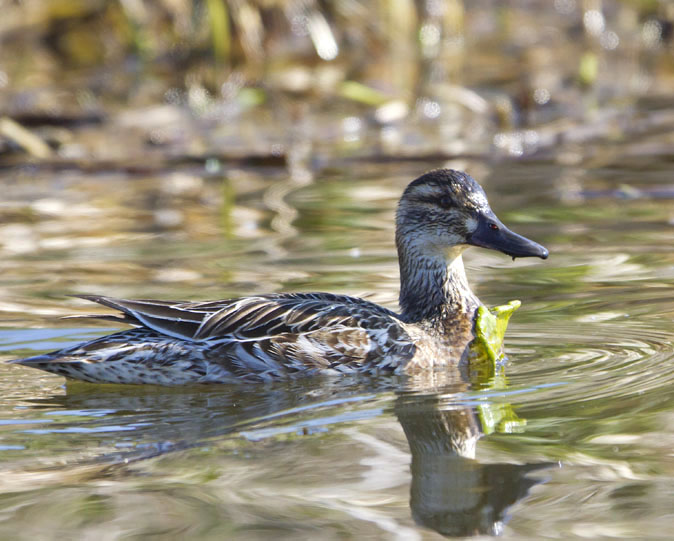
(164, 316)
(329, 324)
(255, 338)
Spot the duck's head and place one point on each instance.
(444, 211)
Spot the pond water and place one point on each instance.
(570, 439)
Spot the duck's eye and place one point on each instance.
(446, 202)
(493, 226)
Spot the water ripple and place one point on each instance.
(608, 359)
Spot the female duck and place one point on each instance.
(291, 334)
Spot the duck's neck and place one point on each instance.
(434, 287)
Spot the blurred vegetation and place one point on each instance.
(389, 78)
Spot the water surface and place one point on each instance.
(575, 425)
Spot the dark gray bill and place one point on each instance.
(492, 234)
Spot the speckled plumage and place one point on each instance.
(286, 335)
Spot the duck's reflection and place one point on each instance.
(451, 491)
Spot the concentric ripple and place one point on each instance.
(580, 362)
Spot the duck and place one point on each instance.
(286, 335)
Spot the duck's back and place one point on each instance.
(251, 338)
